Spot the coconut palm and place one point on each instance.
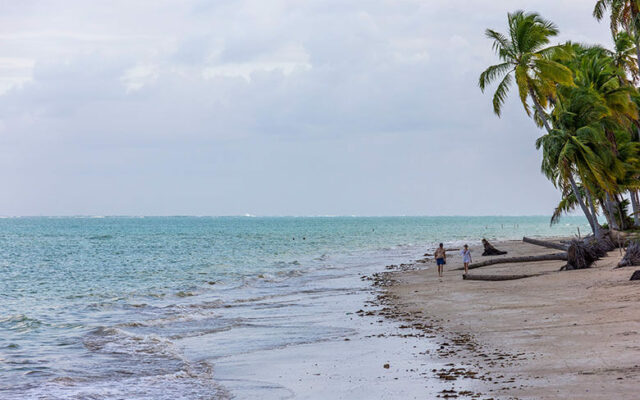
(575, 156)
(624, 14)
(569, 155)
(625, 58)
(627, 163)
(526, 59)
(576, 153)
(584, 96)
(594, 68)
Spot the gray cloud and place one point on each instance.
(265, 107)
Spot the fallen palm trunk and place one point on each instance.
(522, 259)
(497, 277)
(632, 256)
(489, 250)
(545, 243)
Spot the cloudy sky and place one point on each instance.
(268, 107)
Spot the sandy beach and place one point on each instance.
(572, 334)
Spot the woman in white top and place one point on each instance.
(466, 258)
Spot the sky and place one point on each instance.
(266, 107)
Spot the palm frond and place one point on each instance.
(501, 94)
(493, 72)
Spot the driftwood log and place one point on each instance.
(489, 250)
(497, 277)
(546, 243)
(521, 259)
(632, 256)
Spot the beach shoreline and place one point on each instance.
(572, 334)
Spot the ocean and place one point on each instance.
(211, 307)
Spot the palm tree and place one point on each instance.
(624, 58)
(624, 14)
(594, 68)
(526, 58)
(570, 155)
(627, 163)
(567, 155)
(576, 151)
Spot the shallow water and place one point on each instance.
(188, 307)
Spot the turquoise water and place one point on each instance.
(89, 303)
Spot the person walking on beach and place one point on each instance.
(441, 259)
(466, 258)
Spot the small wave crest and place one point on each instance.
(100, 237)
(112, 340)
(277, 276)
(323, 257)
(20, 323)
(286, 263)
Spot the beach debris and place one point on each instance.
(451, 393)
(600, 246)
(489, 250)
(580, 256)
(546, 243)
(635, 276)
(386, 366)
(632, 256)
(583, 253)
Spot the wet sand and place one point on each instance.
(573, 334)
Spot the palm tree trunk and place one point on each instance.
(633, 195)
(637, 43)
(596, 224)
(636, 39)
(606, 213)
(613, 222)
(585, 210)
(633, 33)
(622, 221)
(543, 115)
(611, 137)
